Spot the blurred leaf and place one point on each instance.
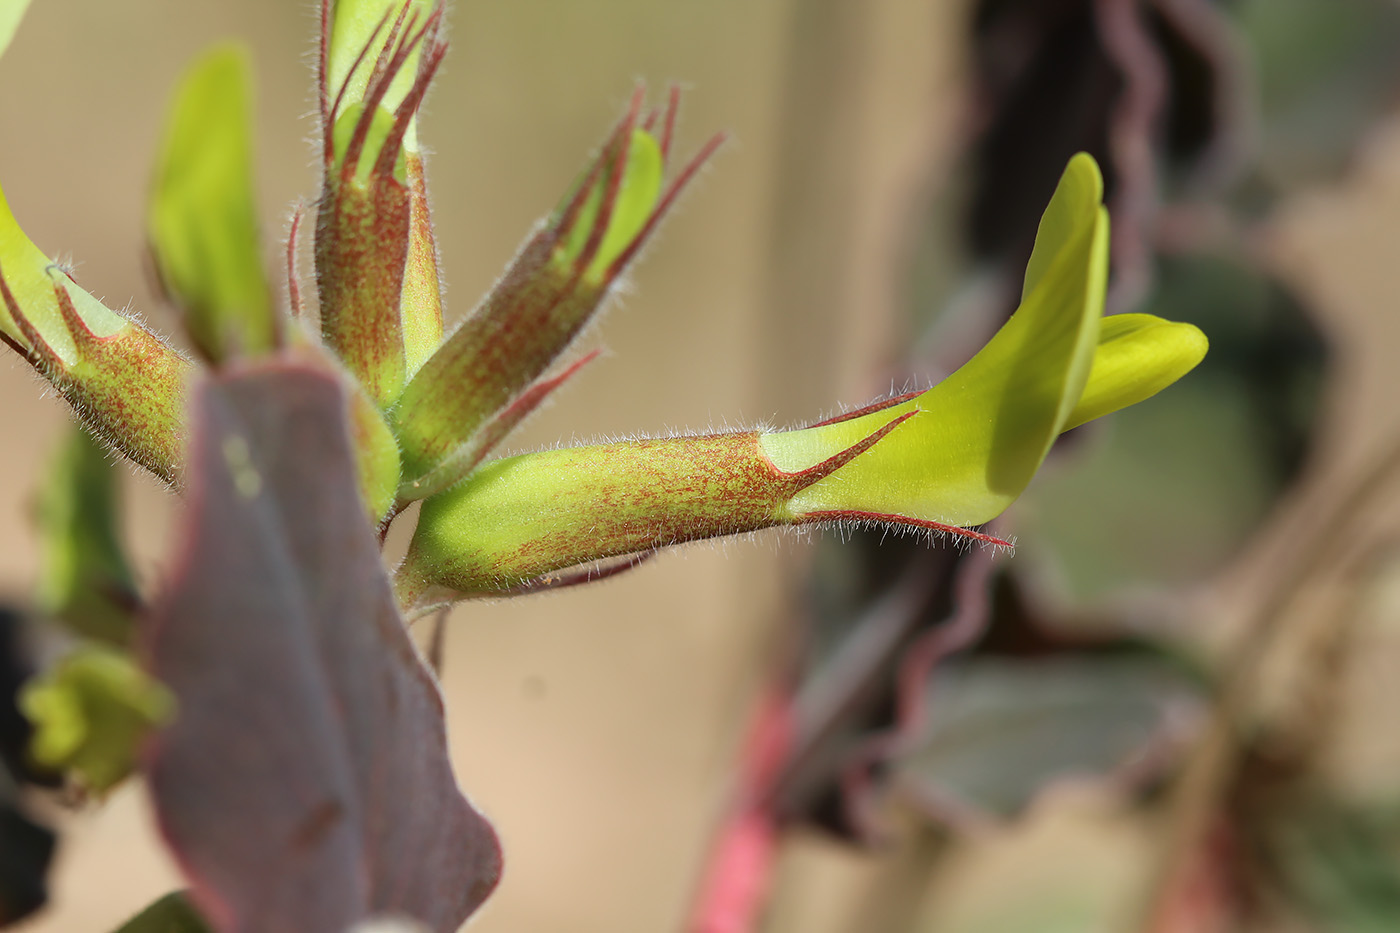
(16, 666)
(849, 696)
(305, 784)
(1075, 865)
(26, 850)
(90, 712)
(1051, 80)
(26, 847)
(1343, 866)
(11, 12)
(1051, 98)
(1000, 730)
(84, 577)
(1325, 72)
(171, 914)
(202, 220)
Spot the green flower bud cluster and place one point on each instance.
(428, 408)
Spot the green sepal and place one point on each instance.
(528, 318)
(448, 416)
(375, 257)
(376, 454)
(125, 383)
(30, 278)
(90, 713)
(359, 35)
(84, 579)
(521, 517)
(421, 300)
(202, 221)
(362, 233)
(514, 522)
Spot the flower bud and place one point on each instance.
(976, 439)
(483, 379)
(353, 25)
(375, 259)
(123, 381)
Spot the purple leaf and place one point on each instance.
(304, 785)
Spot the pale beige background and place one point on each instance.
(596, 727)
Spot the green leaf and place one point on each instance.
(90, 713)
(11, 12)
(1000, 731)
(85, 579)
(1338, 863)
(978, 436)
(171, 914)
(202, 222)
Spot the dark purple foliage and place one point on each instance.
(304, 785)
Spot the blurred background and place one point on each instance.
(1172, 709)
